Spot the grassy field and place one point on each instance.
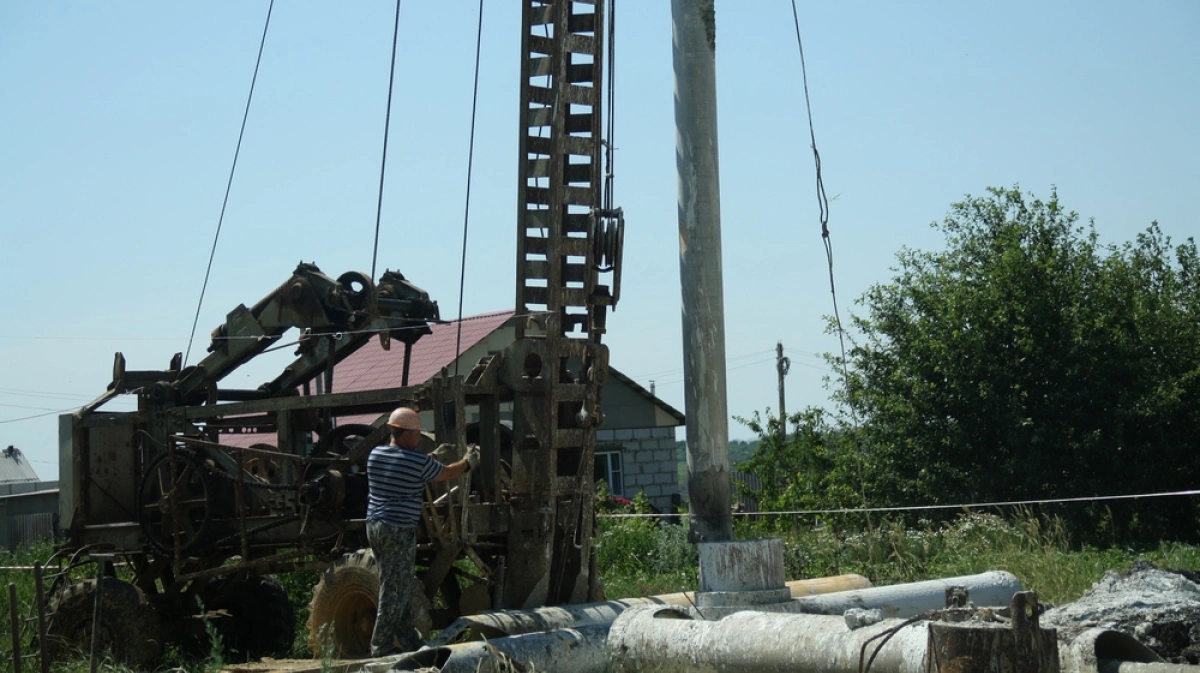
(639, 557)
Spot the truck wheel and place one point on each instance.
(129, 627)
(261, 622)
(341, 615)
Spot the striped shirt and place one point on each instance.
(396, 483)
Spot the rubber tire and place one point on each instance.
(262, 621)
(130, 628)
(348, 597)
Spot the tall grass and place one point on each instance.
(640, 556)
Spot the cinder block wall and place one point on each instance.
(648, 459)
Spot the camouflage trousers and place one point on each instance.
(395, 551)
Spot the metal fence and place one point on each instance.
(743, 483)
(26, 529)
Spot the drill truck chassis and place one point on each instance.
(205, 492)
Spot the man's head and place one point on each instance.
(406, 427)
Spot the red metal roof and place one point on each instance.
(372, 368)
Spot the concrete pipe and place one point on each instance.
(669, 639)
(514, 622)
(580, 650)
(993, 588)
(1094, 648)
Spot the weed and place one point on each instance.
(328, 647)
(216, 644)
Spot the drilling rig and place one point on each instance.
(202, 517)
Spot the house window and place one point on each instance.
(608, 468)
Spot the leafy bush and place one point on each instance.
(643, 555)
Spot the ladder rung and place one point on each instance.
(540, 44)
(579, 146)
(539, 145)
(579, 44)
(573, 247)
(574, 95)
(581, 95)
(535, 245)
(577, 196)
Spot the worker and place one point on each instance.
(396, 478)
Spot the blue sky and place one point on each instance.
(119, 122)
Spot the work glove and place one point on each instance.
(472, 456)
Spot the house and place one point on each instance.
(28, 506)
(635, 448)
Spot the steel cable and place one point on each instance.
(387, 122)
(462, 271)
(229, 183)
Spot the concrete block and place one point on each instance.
(653, 491)
(664, 478)
(641, 433)
(624, 433)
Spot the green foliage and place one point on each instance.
(643, 556)
(817, 467)
(299, 587)
(1027, 361)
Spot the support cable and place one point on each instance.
(387, 122)
(823, 206)
(229, 183)
(462, 272)
(822, 199)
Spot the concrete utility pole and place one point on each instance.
(694, 36)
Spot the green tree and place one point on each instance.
(816, 467)
(1025, 361)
